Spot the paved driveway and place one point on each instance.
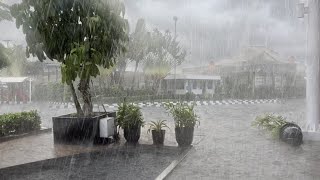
(232, 149)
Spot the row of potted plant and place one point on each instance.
(130, 119)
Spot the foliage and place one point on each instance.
(54, 92)
(157, 125)
(18, 61)
(3, 57)
(82, 35)
(4, 12)
(163, 53)
(129, 116)
(183, 114)
(138, 45)
(139, 41)
(163, 44)
(17, 123)
(270, 123)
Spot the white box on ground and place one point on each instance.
(106, 126)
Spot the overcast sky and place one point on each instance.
(214, 29)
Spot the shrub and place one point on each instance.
(18, 123)
(157, 125)
(271, 123)
(183, 114)
(129, 116)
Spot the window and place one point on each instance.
(210, 85)
(259, 80)
(180, 84)
(195, 84)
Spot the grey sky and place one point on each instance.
(214, 29)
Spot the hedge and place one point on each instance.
(18, 123)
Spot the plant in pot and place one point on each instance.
(157, 130)
(280, 128)
(82, 36)
(130, 120)
(185, 120)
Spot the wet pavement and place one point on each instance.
(225, 144)
(232, 149)
(141, 162)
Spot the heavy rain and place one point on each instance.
(159, 89)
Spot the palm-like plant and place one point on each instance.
(183, 114)
(270, 123)
(157, 125)
(129, 116)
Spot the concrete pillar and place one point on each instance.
(313, 58)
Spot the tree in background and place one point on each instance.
(82, 35)
(138, 45)
(4, 12)
(3, 57)
(4, 15)
(17, 57)
(165, 51)
(157, 67)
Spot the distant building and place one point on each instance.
(15, 89)
(52, 71)
(257, 72)
(196, 84)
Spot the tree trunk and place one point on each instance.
(135, 74)
(84, 88)
(122, 73)
(75, 100)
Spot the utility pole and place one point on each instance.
(175, 18)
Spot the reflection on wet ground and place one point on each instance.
(122, 162)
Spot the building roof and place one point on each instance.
(192, 77)
(13, 79)
(255, 55)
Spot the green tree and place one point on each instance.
(165, 51)
(156, 67)
(82, 35)
(16, 55)
(4, 15)
(3, 57)
(4, 12)
(138, 45)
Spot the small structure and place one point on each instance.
(187, 83)
(15, 89)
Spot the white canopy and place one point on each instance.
(13, 79)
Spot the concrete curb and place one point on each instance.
(164, 174)
(12, 137)
(57, 105)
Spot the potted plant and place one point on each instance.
(90, 37)
(130, 120)
(185, 120)
(158, 133)
(278, 126)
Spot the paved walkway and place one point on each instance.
(232, 149)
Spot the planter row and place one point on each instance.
(74, 129)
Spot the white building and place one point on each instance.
(187, 83)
